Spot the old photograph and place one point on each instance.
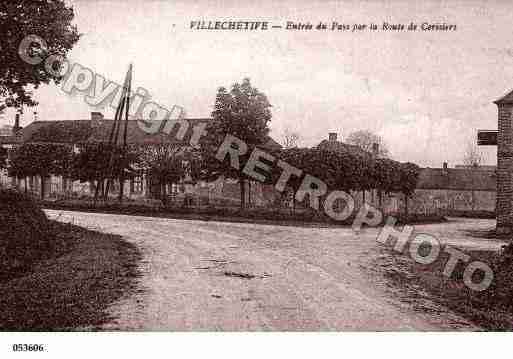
(255, 166)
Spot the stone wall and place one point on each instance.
(453, 200)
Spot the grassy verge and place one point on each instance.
(417, 283)
(471, 214)
(278, 216)
(71, 288)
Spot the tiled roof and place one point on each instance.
(457, 179)
(57, 131)
(81, 131)
(135, 135)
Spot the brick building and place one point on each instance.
(505, 164)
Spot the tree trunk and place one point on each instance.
(104, 185)
(363, 197)
(121, 189)
(26, 189)
(106, 190)
(132, 187)
(163, 192)
(147, 185)
(242, 193)
(406, 207)
(43, 187)
(96, 192)
(249, 193)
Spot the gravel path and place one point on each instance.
(243, 277)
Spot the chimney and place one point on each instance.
(332, 137)
(16, 127)
(96, 119)
(375, 148)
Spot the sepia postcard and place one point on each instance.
(287, 167)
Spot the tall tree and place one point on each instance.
(365, 140)
(51, 20)
(243, 112)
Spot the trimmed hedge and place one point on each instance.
(25, 232)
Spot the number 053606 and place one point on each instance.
(28, 348)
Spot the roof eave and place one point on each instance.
(506, 99)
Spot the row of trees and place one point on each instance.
(97, 163)
(42, 160)
(347, 171)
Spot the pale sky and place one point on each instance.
(426, 93)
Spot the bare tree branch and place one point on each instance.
(473, 156)
(290, 138)
(365, 139)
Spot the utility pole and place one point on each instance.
(112, 145)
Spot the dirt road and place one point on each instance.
(242, 277)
